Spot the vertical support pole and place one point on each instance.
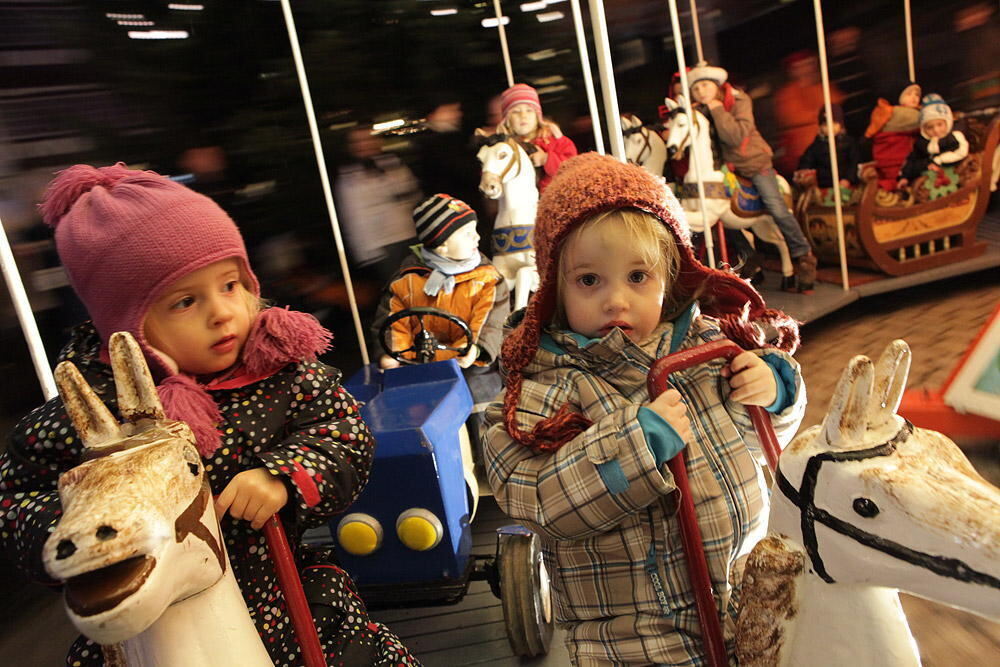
(607, 73)
(503, 43)
(26, 317)
(832, 143)
(686, 85)
(697, 31)
(909, 40)
(323, 175)
(588, 79)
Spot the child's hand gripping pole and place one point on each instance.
(701, 583)
(291, 586)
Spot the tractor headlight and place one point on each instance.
(419, 529)
(359, 534)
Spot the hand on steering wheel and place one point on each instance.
(425, 344)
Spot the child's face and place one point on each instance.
(461, 244)
(522, 120)
(610, 283)
(201, 321)
(910, 97)
(704, 91)
(935, 129)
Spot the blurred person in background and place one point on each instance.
(849, 73)
(448, 161)
(375, 193)
(795, 105)
(977, 46)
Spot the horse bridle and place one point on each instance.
(638, 129)
(495, 139)
(804, 499)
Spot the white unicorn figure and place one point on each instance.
(694, 135)
(863, 505)
(138, 545)
(643, 145)
(509, 177)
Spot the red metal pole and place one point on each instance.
(694, 552)
(291, 586)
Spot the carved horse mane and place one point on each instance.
(862, 506)
(138, 544)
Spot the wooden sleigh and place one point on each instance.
(883, 232)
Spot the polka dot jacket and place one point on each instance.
(300, 424)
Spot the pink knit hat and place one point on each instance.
(124, 235)
(519, 93)
(585, 186)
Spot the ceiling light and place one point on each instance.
(550, 16)
(492, 23)
(157, 34)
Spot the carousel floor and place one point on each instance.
(34, 630)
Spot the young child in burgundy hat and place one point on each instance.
(273, 425)
(521, 110)
(577, 451)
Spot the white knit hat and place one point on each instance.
(703, 71)
(934, 108)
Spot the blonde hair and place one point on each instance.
(657, 245)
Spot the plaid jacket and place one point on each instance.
(619, 577)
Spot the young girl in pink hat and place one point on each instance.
(522, 118)
(274, 427)
(575, 448)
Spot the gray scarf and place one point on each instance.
(445, 270)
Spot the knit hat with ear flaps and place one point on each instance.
(935, 108)
(519, 93)
(124, 236)
(584, 187)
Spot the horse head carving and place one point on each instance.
(865, 504)
(643, 145)
(138, 530)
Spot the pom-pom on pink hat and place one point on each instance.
(519, 93)
(124, 235)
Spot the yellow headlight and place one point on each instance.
(359, 534)
(419, 529)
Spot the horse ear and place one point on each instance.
(480, 133)
(681, 100)
(847, 417)
(92, 420)
(891, 372)
(670, 103)
(137, 397)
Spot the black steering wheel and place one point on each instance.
(424, 342)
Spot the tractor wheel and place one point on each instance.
(526, 595)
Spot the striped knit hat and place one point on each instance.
(440, 216)
(519, 93)
(585, 186)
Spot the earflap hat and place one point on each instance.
(588, 185)
(935, 108)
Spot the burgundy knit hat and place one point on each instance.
(584, 187)
(124, 235)
(519, 93)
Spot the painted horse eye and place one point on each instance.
(193, 467)
(865, 507)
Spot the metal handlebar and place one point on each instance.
(291, 586)
(701, 583)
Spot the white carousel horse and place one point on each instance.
(694, 135)
(864, 505)
(643, 146)
(138, 545)
(509, 177)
